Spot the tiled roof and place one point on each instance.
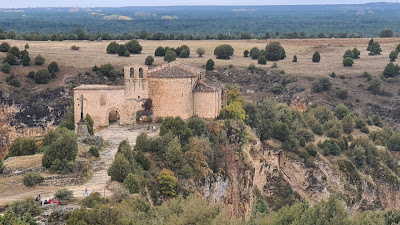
(171, 72)
(201, 86)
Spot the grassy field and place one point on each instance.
(94, 53)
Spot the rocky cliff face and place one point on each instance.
(30, 114)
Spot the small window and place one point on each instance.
(138, 97)
(140, 72)
(132, 73)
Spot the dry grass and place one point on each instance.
(24, 162)
(94, 53)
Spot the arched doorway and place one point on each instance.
(113, 116)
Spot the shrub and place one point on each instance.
(42, 76)
(186, 171)
(348, 124)
(210, 65)
(356, 53)
(160, 51)
(132, 183)
(391, 70)
(357, 155)
(119, 169)
(200, 51)
(112, 48)
(394, 142)
(64, 195)
(53, 67)
(224, 51)
(14, 51)
(393, 56)
(311, 149)
(254, 53)
(348, 62)
(22, 146)
(120, 194)
(275, 65)
(168, 182)
(1, 165)
(95, 68)
(277, 89)
(262, 60)
(321, 85)
(252, 67)
(93, 199)
(341, 111)
(274, 51)
(11, 59)
(170, 56)
(26, 60)
(6, 68)
(316, 57)
(173, 155)
(348, 54)
(294, 58)
(184, 54)
(377, 121)
(342, 93)
(375, 49)
(134, 47)
(246, 53)
(90, 123)
(32, 179)
(75, 48)
(39, 60)
(12, 80)
(94, 151)
(25, 207)
(123, 51)
(149, 60)
(4, 47)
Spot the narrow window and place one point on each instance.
(132, 73)
(140, 72)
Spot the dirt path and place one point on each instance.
(99, 181)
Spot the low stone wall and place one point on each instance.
(21, 171)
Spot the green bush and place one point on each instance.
(394, 142)
(93, 199)
(312, 149)
(316, 57)
(149, 60)
(22, 146)
(200, 52)
(42, 76)
(224, 51)
(168, 182)
(39, 60)
(25, 206)
(53, 67)
(294, 58)
(112, 48)
(184, 54)
(262, 60)
(391, 70)
(321, 85)
(90, 124)
(348, 54)
(94, 151)
(13, 81)
(32, 179)
(14, 50)
(160, 51)
(210, 65)
(278, 89)
(342, 93)
(348, 62)
(357, 155)
(170, 56)
(119, 169)
(64, 195)
(4, 47)
(26, 60)
(6, 68)
(132, 183)
(134, 47)
(356, 53)
(375, 49)
(393, 56)
(251, 67)
(341, 111)
(11, 59)
(348, 124)
(186, 171)
(123, 51)
(246, 53)
(274, 51)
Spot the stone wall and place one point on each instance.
(207, 104)
(172, 96)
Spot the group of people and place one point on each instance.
(46, 201)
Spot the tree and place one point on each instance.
(112, 48)
(262, 60)
(397, 48)
(267, 35)
(341, 111)
(42, 76)
(174, 155)
(246, 53)
(182, 48)
(224, 51)
(32, 179)
(170, 56)
(6, 68)
(393, 56)
(119, 169)
(26, 60)
(316, 57)
(294, 58)
(184, 54)
(4, 47)
(168, 182)
(22, 146)
(53, 67)
(348, 62)
(149, 60)
(321, 84)
(122, 51)
(356, 53)
(14, 50)
(254, 53)
(391, 70)
(375, 49)
(357, 155)
(274, 51)
(200, 51)
(348, 54)
(134, 47)
(132, 183)
(39, 60)
(370, 43)
(348, 124)
(26, 46)
(160, 51)
(386, 33)
(106, 70)
(394, 142)
(11, 59)
(90, 123)
(210, 65)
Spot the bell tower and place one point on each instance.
(135, 82)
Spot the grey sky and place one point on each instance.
(120, 3)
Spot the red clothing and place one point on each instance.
(50, 201)
(56, 202)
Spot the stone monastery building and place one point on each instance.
(175, 89)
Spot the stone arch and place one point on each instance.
(140, 72)
(132, 72)
(114, 116)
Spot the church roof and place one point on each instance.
(98, 87)
(202, 86)
(171, 72)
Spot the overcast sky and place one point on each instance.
(120, 3)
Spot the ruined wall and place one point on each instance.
(207, 104)
(172, 96)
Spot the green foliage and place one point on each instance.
(4, 47)
(246, 53)
(39, 60)
(186, 171)
(251, 67)
(262, 60)
(1, 166)
(312, 149)
(149, 60)
(93, 199)
(107, 70)
(53, 67)
(348, 54)
(170, 56)
(27, 205)
(341, 111)
(42, 76)
(123, 51)
(68, 118)
(14, 50)
(168, 182)
(348, 124)
(112, 48)
(294, 58)
(391, 70)
(357, 155)
(94, 151)
(234, 111)
(132, 183)
(254, 53)
(375, 49)
(223, 51)
(134, 47)
(316, 57)
(348, 62)
(90, 124)
(13, 81)
(210, 65)
(394, 142)
(184, 54)
(200, 52)
(393, 56)
(22, 146)
(377, 121)
(342, 93)
(274, 51)
(119, 169)
(59, 145)
(356, 53)
(321, 84)
(64, 194)
(11, 59)
(6, 68)
(26, 60)
(198, 126)
(386, 33)
(142, 160)
(32, 179)
(160, 51)
(174, 155)
(330, 147)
